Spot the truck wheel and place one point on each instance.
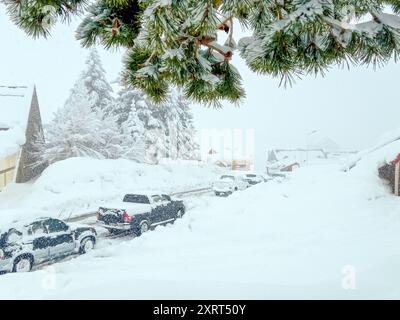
(144, 227)
(87, 245)
(217, 194)
(23, 264)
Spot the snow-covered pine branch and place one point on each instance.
(180, 43)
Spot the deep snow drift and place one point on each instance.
(299, 238)
(80, 185)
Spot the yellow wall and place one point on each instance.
(7, 163)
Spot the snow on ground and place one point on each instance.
(80, 185)
(288, 239)
(385, 148)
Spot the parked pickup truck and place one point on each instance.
(140, 212)
(33, 242)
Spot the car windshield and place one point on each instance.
(136, 198)
(251, 175)
(11, 236)
(228, 177)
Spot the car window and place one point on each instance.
(36, 229)
(14, 236)
(54, 225)
(156, 198)
(228, 177)
(251, 175)
(136, 198)
(165, 197)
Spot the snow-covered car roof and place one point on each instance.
(255, 174)
(146, 193)
(237, 174)
(22, 223)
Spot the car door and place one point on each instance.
(38, 238)
(61, 239)
(157, 210)
(170, 209)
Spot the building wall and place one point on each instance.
(7, 169)
(244, 165)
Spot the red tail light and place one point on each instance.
(98, 215)
(127, 218)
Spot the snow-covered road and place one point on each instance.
(105, 239)
(321, 234)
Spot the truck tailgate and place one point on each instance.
(109, 216)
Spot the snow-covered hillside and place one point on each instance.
(300, 238)
(80, 185)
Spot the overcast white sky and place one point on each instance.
(352, 107)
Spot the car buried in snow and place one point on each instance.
(229, 183)
(24, 245)
(254, 178)
(140, 212)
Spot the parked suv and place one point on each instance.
(24, 245)
(229, 183)
(254, 178)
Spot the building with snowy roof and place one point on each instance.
(299, 156)
(287, 159)
(20, 130)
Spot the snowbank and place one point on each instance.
(323, 233)
(372, 161)
(79, 185)
(386, 149)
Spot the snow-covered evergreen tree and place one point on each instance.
(164, 131)
(178, 128)
(154, 129)
(97, 86)
(132, 139)
(125, 103)
(79, 131)
(187, 147)
(131, 127)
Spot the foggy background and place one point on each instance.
(353, 108)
